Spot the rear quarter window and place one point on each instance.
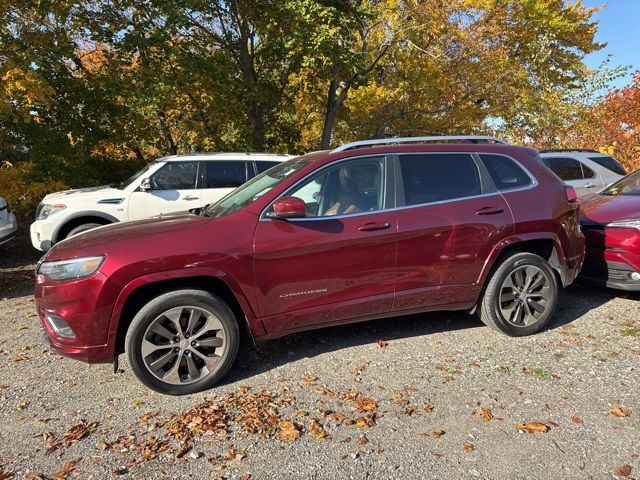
(609, 163)
(505, 172)
(226, 174)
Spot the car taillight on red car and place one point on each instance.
(572, 196)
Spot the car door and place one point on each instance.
(174, 188)
(221, 177)
(450, 219)
(574, 173)
(338, 262)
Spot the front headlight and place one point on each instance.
(68, 269)
(625, 224)
(45, 210)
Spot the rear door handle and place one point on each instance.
(190, 197)
(373, 226)
(489, 211)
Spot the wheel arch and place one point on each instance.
(140, 291)
(545, 245)
(78, 219)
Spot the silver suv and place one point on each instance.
(587, 171)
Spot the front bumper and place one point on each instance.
(612, 271)
(42, 234)
(85, 309)
(8, 230)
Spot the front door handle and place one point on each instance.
(589, 185)
(190, 197)
(489, 211)
(373, 226)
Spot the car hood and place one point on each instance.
(602, 209)
(141, 232)
(102, 192)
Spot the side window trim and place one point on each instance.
(388, 180)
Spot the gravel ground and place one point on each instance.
(393, 398)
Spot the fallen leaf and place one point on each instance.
(362, 440)
(617, 411)
(577, 420)
(622, 471)
(316, 430)
(438, 433)
(311, 378)
(468, 447)
(383, 343)
(428, 408)
(533, 427)
(184, 447)
(365, 422)
(101, 445)
(66, 470)
(325, 391)
(288, 431)
(483, 414)
(20, 358)
(365, 404)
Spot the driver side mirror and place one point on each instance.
(145, 185)
(288, 207)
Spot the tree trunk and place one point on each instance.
(166, 133)
(335, 99)
(257, 125)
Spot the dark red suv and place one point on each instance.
(365, 231)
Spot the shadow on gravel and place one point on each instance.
(575, 302)
(17, 263)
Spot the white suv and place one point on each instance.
(8, 225)
(169, 184)
(587, 171)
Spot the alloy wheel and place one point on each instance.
(183, 345)
(525, 296)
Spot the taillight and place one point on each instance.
(572, 196)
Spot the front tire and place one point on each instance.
(82, 228)
(182, 342)
(521, 295)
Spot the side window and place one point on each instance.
(506, 173)
(263, 166)
(436, 177)
(226, 174)
(353, 186)
(564, 167)
(175, 176)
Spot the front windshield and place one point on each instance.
(134, 177)
(255, 188)
(629, 185)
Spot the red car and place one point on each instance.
(365, 231)
(611, 225)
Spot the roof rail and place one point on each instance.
(550, 150)
(444, 138)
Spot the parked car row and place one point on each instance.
(370, 229)
(167, 185)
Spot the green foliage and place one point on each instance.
(91, 90)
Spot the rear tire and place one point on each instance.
(520, 296)
(182, 342)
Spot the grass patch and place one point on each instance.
(631, 329)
